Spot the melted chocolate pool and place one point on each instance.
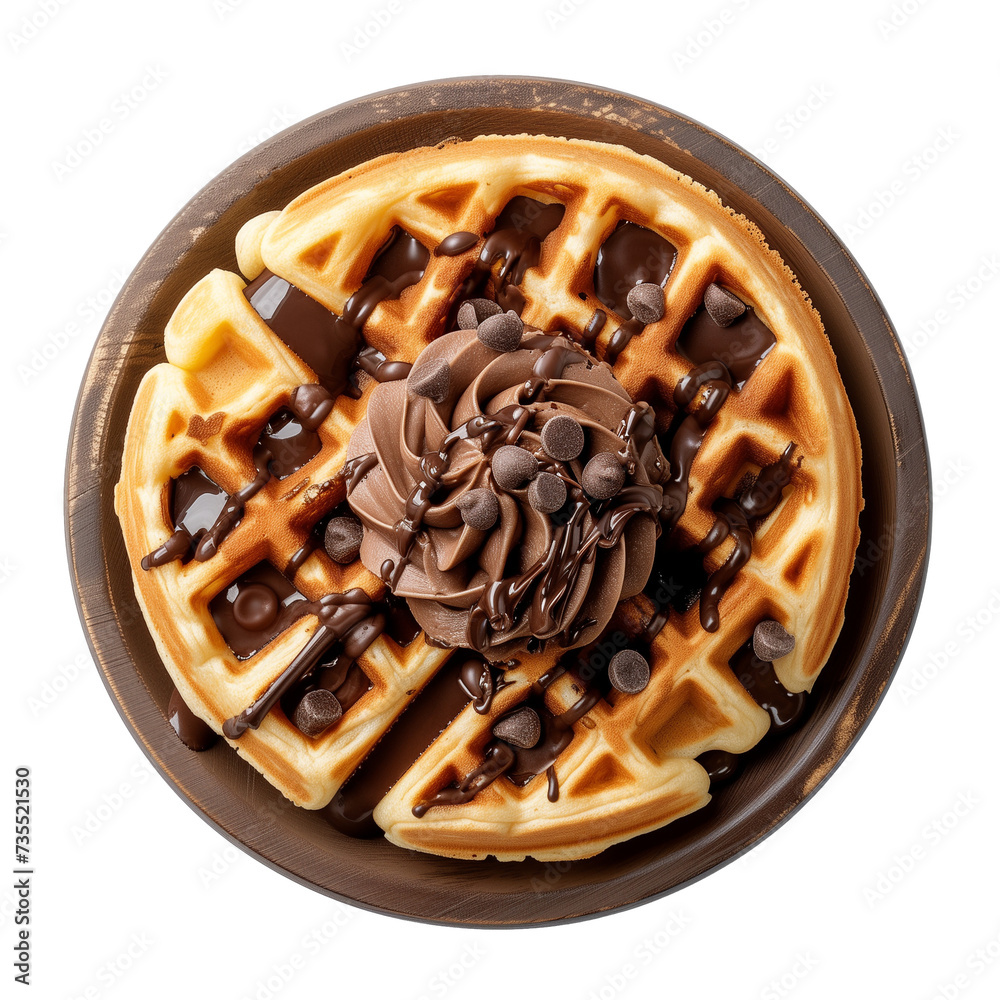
(741, 346)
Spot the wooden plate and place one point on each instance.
(885, 589)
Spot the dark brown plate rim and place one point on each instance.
(903, 560)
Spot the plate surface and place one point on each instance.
(885, 588)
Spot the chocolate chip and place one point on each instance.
(645, 302)
(628, 671)
(722, 305)
(480, 509)
(472, 312)
(771, 641)
(256, 607)
(432, 380)
(342, 539)
(501, 332)
(603, 476)
(513, 466)
(562, 438)
(318, 710)
(547, 493)
(522, 728)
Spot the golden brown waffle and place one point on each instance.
(630, 766)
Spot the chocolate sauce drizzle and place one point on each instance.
(456, 244)
(464, 678)
(712, 383)
(433, 466)
(287, 442)
(516, 245)
(590, 333)
(737, 519)
(332, 345)
(255, 608)
(785, 708)
(555, 572)
(481, 681)
(196, 503)
(520, 764)
(741, 346)
(344, 618)
(631, 255)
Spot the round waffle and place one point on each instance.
(630, 763)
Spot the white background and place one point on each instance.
(886, 883)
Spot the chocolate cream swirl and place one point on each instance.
(533, 576)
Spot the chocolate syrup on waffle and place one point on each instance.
(520, 764)
(456, 244)
(195, 504)
(256, 607)
(631, 255)
(332, 345)
(290, 438)
(741, 346)
(339, 673)
(593, 329)
(320, 338)
(288, 441)
(711, 382)
(737, 519)
(424, 719)
(783, 706)
(516, 245)
(342, 618)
